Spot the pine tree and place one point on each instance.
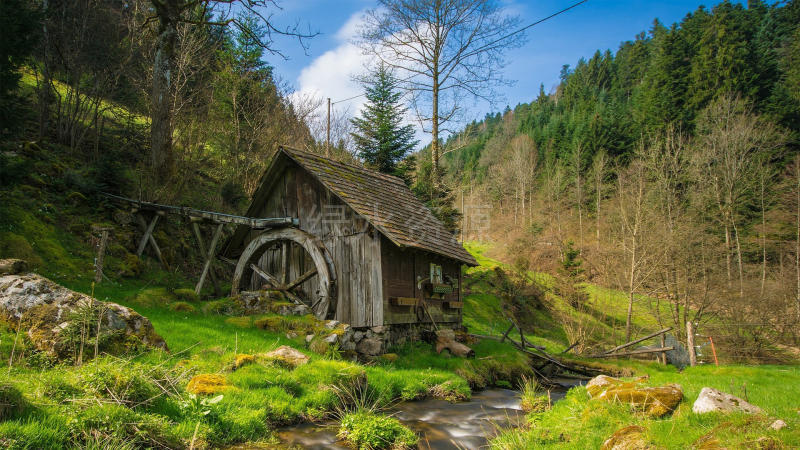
(380, 138)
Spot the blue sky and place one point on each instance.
(325, 69)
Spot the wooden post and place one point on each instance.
(148, 232)
(690, 343)
(663, 354)
(101, 251)
(203, 251)
(148, 236)
(209, 257)
(328, 139)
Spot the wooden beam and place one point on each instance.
(151, 239)
(505, 335)
(203, 251)
(252, 222)
(269, 278)
(212, 248)
(637, 352)
(148, 231)
(620, 347)
(301, 279)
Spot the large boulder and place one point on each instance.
(52, 317)
(369, 347)
(654, 401)
(711, 400)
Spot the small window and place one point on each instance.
(436, 274)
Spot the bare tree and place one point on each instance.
(170, 14)
(732, 141)
(443, 51)
(599, 172)
(641, 254)
(524, 159)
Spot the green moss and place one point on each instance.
(187, 295)
(365, 430)
(16, 246)
(181, 307)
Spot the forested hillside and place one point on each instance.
(667, 169)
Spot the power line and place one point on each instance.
(542, 20)
(340, 101)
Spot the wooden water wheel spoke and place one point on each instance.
(267, 277)
(301, 279)
(282, 256)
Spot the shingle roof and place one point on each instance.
(385, 201)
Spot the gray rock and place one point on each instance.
(347, 346)
(331, 324)
(291, 335)
(778, 425)
(309, 338)
(358, 335)
(378, 329)
(711, 400)
(332, 338)
(288, 356)
(45, 309)
(369, 347)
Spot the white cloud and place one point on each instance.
(331, 74)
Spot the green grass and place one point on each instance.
(578, 422)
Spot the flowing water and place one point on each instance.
(440, 424)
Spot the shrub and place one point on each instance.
(365, 430)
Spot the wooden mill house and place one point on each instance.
(366, 251)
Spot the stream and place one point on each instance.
(440, 424)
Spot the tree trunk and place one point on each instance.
(435, 176)
(739, 260)
(630, 291)
(728, 253)
(163, 67)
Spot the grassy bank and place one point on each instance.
(578, 422)
(142, 400)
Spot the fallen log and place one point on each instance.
(635, 352)
(626, 345)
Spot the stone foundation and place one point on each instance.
(364, 341)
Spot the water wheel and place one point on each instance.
(286, 241)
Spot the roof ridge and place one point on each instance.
(388, 177)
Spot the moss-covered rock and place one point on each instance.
(207, 383)
(653, 401)
(627, 438)
(56, 319)
(287, 356)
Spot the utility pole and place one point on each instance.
(328, 139)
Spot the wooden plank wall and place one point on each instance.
(401, 270)
(353, 244)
